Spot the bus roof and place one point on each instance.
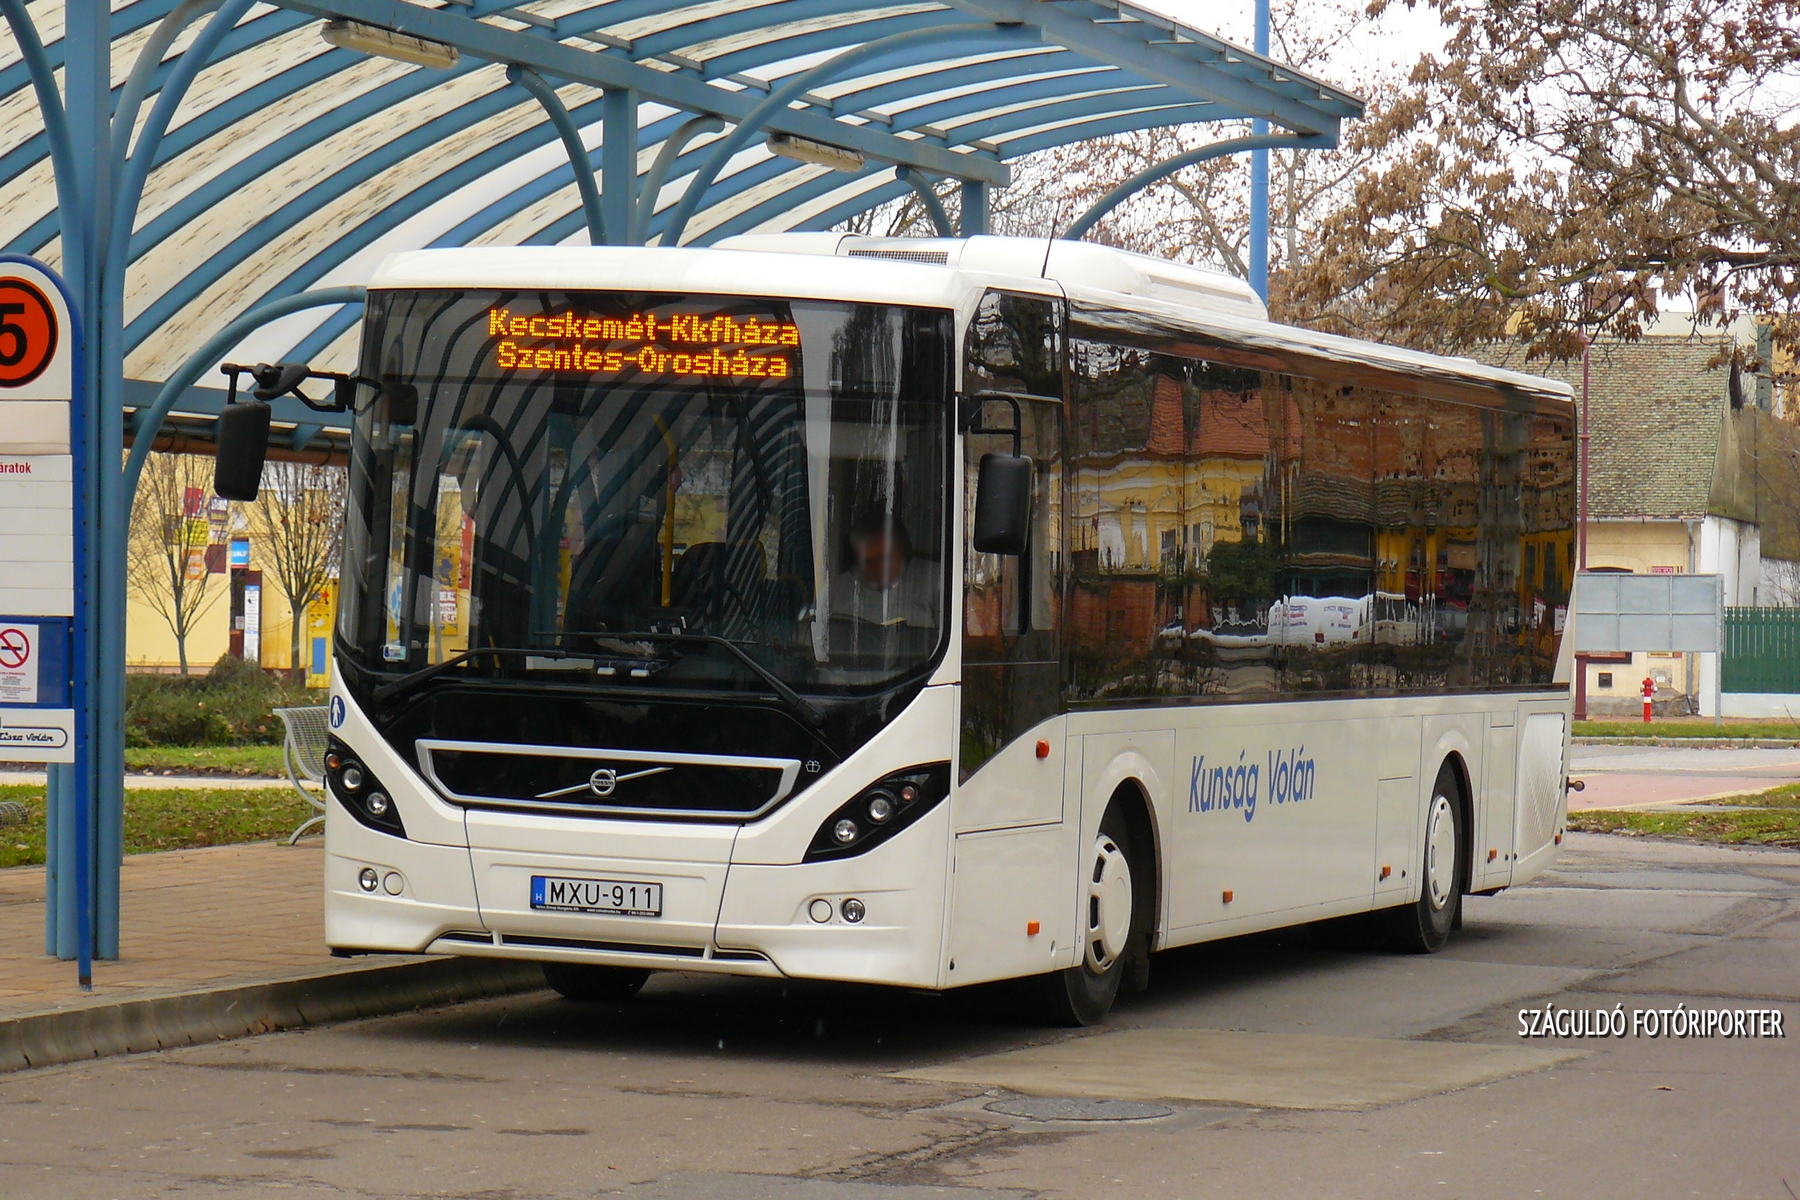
(1144, 299)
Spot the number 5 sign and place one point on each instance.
(38, 532)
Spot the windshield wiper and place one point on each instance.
(794, 700)
(424, 674)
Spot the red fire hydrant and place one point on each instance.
(1649, 691)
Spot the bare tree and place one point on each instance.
(298, 523)
(165, 564)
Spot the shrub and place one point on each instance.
(230, 705)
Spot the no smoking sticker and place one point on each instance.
(18, 664)
(28, 332)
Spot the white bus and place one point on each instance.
(898, 611)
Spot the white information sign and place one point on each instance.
(1657, 613)
(37, 527)
(18, 663)
(253, 622)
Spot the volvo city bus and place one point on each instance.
(926, 613)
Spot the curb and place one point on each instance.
(189, 1018)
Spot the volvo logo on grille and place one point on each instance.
(603, 782)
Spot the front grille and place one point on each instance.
(548, 943)
(604, 782)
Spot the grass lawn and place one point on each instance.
(1770, 818)
(172, 819)
(1688, 728)
(1771, 827)
(206, 760)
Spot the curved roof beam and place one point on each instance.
(1168, 166)
(678, 89)
(579, 163)
(1030, 140)
(796, 85)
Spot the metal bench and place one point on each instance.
(303, 754)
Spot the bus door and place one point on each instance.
(1013, 856)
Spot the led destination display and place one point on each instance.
(679, 344)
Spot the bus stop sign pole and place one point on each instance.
(46, 653)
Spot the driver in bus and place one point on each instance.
(885, 584)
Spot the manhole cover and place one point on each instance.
(1041, 1108)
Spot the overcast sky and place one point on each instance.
(1387, 47)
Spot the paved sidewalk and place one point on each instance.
(1653, 778)
(214, 943)
(188, 918)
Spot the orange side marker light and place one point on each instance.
(1227, 895)
(1043, 749)
(1031, 929)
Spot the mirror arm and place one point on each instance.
(972, 420)
(340, 381)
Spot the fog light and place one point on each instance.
(393, 884)
(352, 777)
(367, 879)
(880, 808)
(377, 804)
(844, 831)
(853, 910)
(819, 910)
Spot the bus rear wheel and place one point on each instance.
(592, 984)
(1424, 927)
(1084, 993)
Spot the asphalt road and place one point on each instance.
(1262, 1067)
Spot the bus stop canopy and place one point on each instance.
(292, 163)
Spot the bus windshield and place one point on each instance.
(651, 490)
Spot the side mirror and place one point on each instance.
(242, 444)
(1003, 504)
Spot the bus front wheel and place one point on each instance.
(1424, 927)
(1083, 994)
(592, 984)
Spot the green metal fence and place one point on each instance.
(1762, 650)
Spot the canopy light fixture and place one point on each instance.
(385, 43)
(818, 153)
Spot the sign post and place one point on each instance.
(45, 654)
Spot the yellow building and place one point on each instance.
(150, 644)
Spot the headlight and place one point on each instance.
(880, 811)
(359, 792)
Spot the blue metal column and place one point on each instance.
(618, 163)
(974, 208)
(87, 83)
(1259, 179)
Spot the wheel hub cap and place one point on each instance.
(1440, 853)
(1109, 905)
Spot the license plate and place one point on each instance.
(615, 897)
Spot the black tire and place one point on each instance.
(1084, 993)
(594, 985)
(1424, 927)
